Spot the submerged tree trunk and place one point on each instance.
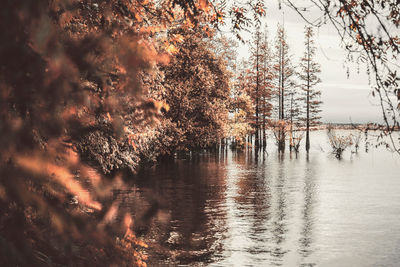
(291, 143)
(281, 141)
(264, 145)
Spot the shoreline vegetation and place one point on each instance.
(93, 90)
(357, 126)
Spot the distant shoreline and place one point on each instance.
(358, 126)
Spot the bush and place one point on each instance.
(339, 143)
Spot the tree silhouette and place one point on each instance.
(309, 70)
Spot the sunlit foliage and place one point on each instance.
(197, 91)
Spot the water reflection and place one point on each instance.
(253, 201)
(306, 236)
(238, 209)
(192, 194)
(280, 219)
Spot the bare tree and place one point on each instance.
(338, 142)
(297, 136)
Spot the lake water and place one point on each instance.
(236, 209)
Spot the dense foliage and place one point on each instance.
(77, 85)
(197, 91)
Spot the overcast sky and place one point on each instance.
(345, 99)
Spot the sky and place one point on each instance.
(346, 99)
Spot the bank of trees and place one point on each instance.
(84, 87)
(259, 85)
(284, 95)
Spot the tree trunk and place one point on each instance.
(281, 141)
(281, 146)
(257, 141)
(308, 99)
(264, 135)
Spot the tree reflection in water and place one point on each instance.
(306, 236)
(236, 209)
(230, 207)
